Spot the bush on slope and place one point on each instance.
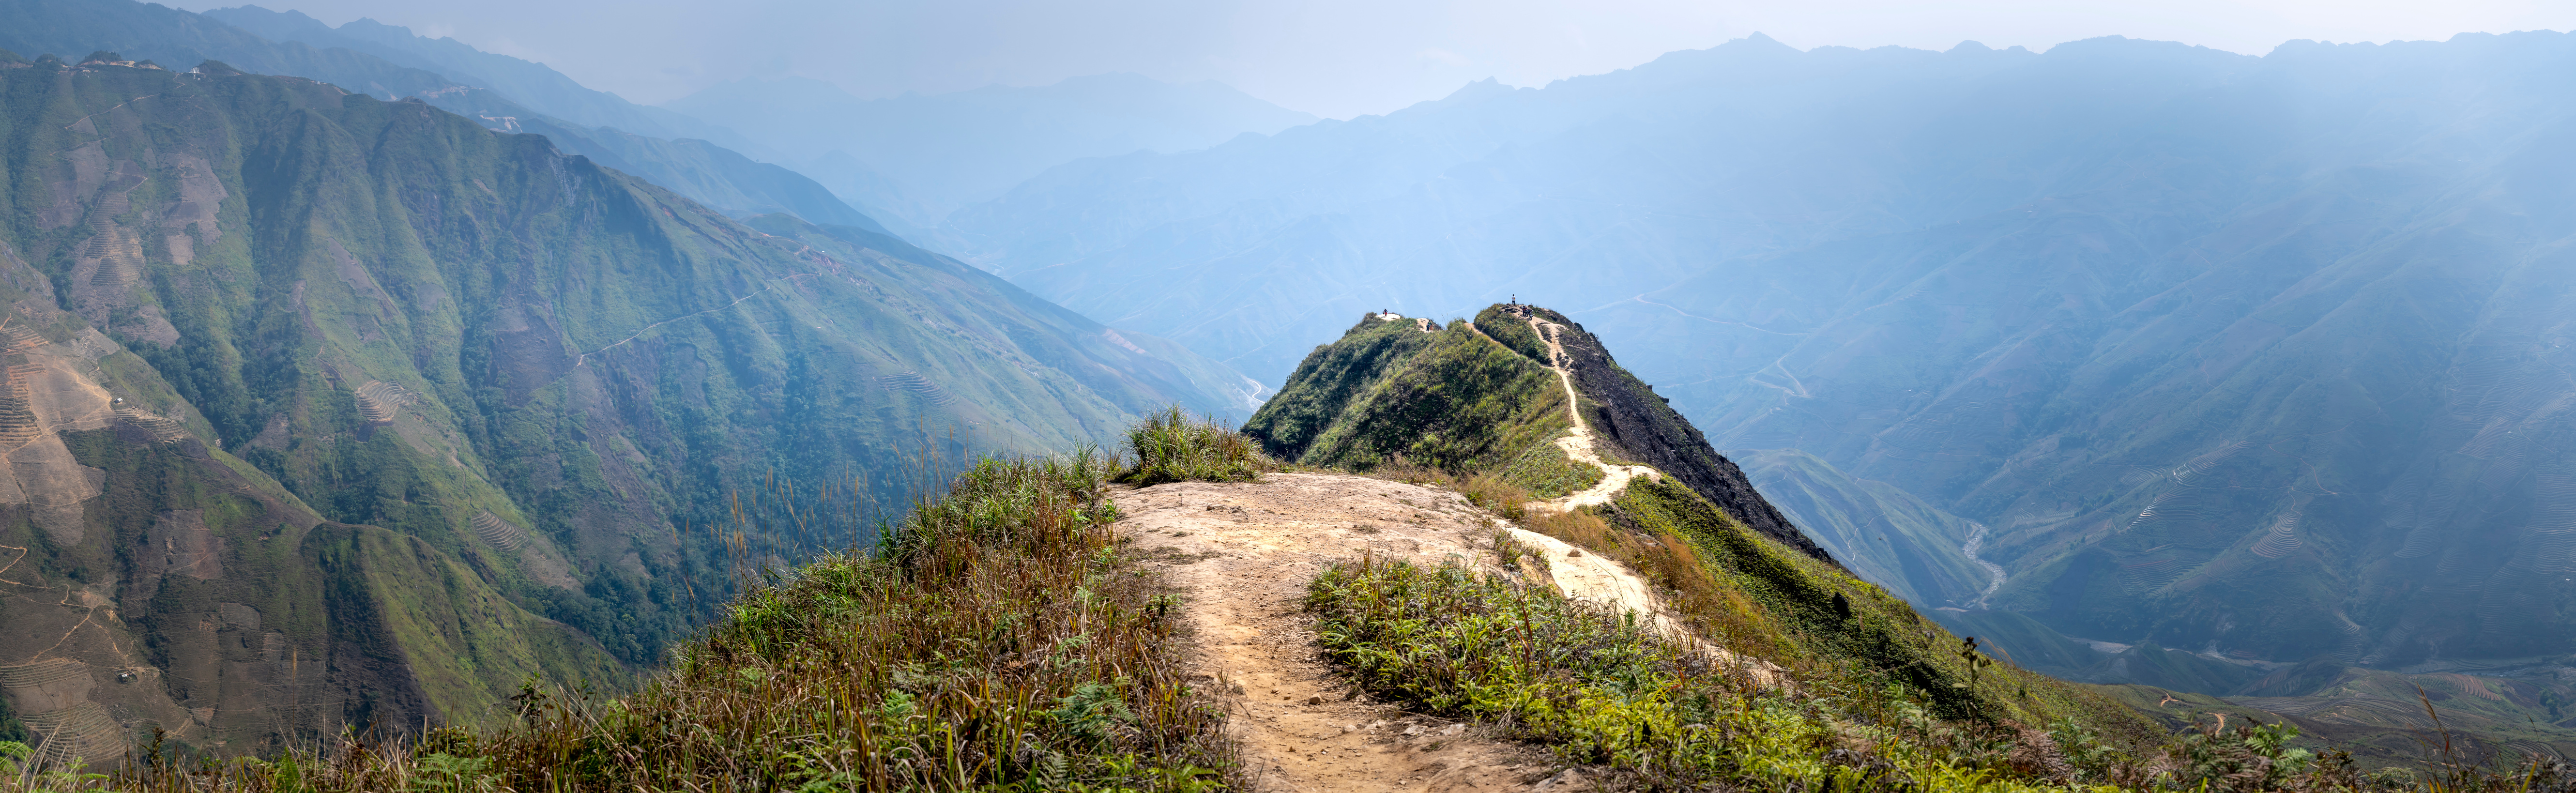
(1171, 446)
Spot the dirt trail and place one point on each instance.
(1243, 553)
(1578, 443)
(1591, 576)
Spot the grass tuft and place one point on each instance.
(1172, 446)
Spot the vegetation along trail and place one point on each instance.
(1577, 443)
(1242, 554)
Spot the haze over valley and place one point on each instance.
(2168, 370)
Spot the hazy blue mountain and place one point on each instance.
(180, 40)
(925, 155)
(1877, 530)
(375, 60)
(532, 84)
(870, 192)
(706, 173)
(2256, 356)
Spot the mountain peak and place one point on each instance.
(1759, 40)
(1479, 89)
(1501, 394)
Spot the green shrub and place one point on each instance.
(1171, 446)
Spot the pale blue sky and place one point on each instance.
(1336, 58)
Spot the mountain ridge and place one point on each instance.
(924, 155)
(357, 412)
(2017, 286)
(390, 65)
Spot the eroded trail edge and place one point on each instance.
(1578, 443)
(1242, 554)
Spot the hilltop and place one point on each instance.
(1492, 395)
(1535, 420)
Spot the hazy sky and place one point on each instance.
(1336, 58)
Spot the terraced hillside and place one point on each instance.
(323, 411)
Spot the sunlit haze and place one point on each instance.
(1334, 58)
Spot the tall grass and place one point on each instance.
(1600, 688)
(1170, 445)
(1711, 606)
(994, 640)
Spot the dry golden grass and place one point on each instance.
(1714, 608)
(1488, 491)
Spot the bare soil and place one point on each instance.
(1242, 554)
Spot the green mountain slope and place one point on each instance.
(1484, 398)
(326, 411)
(1480, 395)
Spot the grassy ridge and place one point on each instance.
(1513, 332)
(1546, 472)
(1327, 381)
(1872, 697)
(1831, 621)
(1456, 402)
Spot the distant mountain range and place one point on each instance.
(531, 84)
(2256, 356)
(389, 63)
(921, 157)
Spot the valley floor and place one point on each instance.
(1242, 553)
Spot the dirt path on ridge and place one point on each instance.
(1578, 444)
(1242, 554)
